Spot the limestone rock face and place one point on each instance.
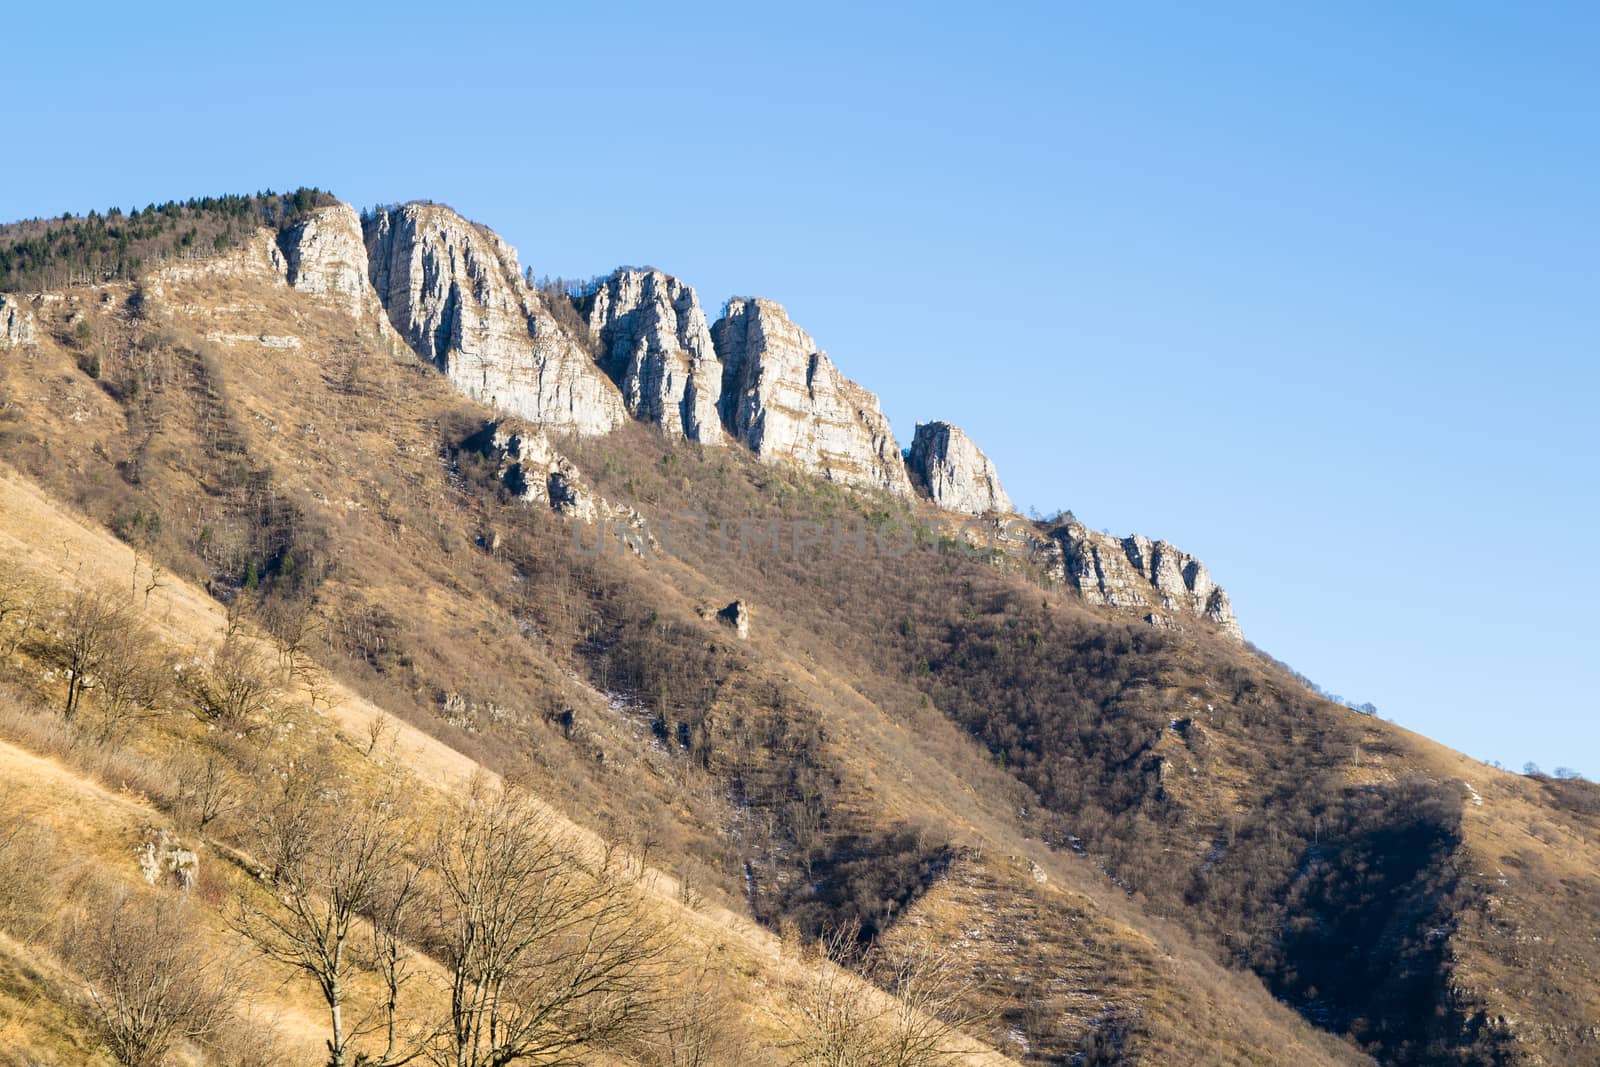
(16, 323)
(326, 255)
(533, 470)
(1135, 572)
(657, 347)
(257, 259)
(164, 859)
(954, 472)
(455, 292)
(786, 400)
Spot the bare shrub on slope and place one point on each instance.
(150, 982)
(845, 1022)
(548, 952)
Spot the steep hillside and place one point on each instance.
(96, 803)
(504, 516)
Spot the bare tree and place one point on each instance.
(328, 858)
(694, 1025)
(391, 916)
(838, 1022)
(207, 790)
(236, 684)
(133, 678)
(932, 1008)
(547, 953)
(89, 625)
(322, 691)
(845, 1022)
(149, 981)
(154, 581)
(293, 623)
(378, 727)
(19, 597)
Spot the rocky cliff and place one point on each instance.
(954, 472)
(455, 292)
(259, 259)
(16, 323)
(785, 400)
(326, 255)
(657, 347)
(1135, 572)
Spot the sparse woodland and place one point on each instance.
(467, 929)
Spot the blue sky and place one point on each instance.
(1311, 291)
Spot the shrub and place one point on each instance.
(150, 981)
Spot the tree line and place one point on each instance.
(41, 254)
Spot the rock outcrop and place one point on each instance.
(455, 292)
(256, 259)
(736, 617)
(1135, 572)
(16, 323)
(326, 255)
(530, 468)
(164, 859)
(954, 472)
(656, 346)
(786, 400)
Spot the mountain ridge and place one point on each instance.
(454, 291)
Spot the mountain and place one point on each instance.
(674, 578)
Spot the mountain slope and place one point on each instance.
(1138, 832)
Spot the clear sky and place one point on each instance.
(1312, 291)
